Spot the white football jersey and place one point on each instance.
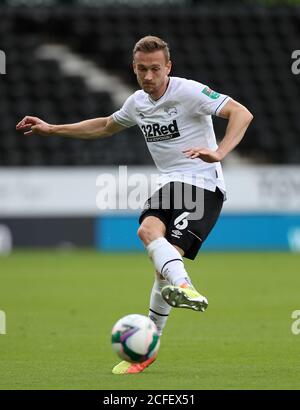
(179, 119)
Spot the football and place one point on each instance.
(135, 338)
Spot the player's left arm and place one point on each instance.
(239, 119)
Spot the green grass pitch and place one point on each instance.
(60, 308)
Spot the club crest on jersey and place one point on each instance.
(210, 93)
(171, 111)
(156, 132)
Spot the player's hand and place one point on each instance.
(205, 154)
(33, 125)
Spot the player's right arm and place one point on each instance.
(88, 129)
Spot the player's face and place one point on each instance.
(152, 72)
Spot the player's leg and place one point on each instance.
(176, 289)
(184, 295)
(165, 257)
(159, 309)
(188, 236)
(154, 221)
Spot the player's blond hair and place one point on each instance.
(149, 44)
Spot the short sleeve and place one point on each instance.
(125, 116)
(201, 100)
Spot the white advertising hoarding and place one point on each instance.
(80, 191)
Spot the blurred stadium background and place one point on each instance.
(71, 60)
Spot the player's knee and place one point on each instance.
(151, 229)
(147, 233)
(144, 233)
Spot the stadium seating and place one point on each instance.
(244, 52)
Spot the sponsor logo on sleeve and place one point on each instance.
(210, 93)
